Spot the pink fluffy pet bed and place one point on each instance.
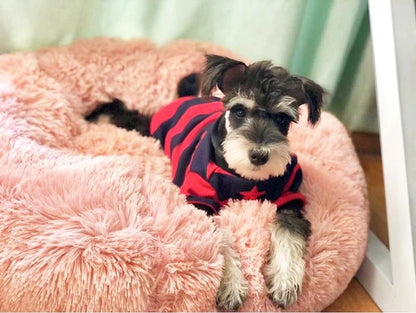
(89, 218)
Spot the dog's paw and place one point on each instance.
(283, 295)
(232, 293)
(284, 283)
(233, 288)
(286, 267)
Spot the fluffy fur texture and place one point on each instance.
(90, 221)
(285, 270)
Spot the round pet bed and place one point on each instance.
(89, 218)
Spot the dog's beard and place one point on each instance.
(236, 153)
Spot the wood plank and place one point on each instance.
(353, 299)
(366, 142)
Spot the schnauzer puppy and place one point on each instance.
(237, 148)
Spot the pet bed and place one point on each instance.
(89, 218)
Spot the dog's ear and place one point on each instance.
(224, 72)
(313, 97)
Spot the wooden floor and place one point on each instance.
(355, 298)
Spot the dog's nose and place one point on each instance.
(258, 157)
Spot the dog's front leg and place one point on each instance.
(285, 269)
(233, 288)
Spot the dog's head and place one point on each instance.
(260, 100)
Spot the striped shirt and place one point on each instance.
(184, 128)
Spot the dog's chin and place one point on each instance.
(236, 156)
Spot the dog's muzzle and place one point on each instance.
(258, 156)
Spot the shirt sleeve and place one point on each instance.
(200, 192)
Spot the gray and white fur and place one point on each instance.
(250, 138)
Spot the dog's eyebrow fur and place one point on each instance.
(285, 105)
(239, 99)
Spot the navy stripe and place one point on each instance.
(177, 139)
(204, 154)
(297, 181)
(185, 159)
(160, 134)
(210, 205)
(228, 186)
(293, 163)
(163, 129)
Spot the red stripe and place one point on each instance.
(191, 113)
(289, 196)
(166, 113)
(195, 185)
(177, 151)
(214, 168)
(291, 177)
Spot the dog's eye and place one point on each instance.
(239, 111)
(282, 120)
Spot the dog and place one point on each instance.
(236, 147)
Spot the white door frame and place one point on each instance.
(389, 276)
